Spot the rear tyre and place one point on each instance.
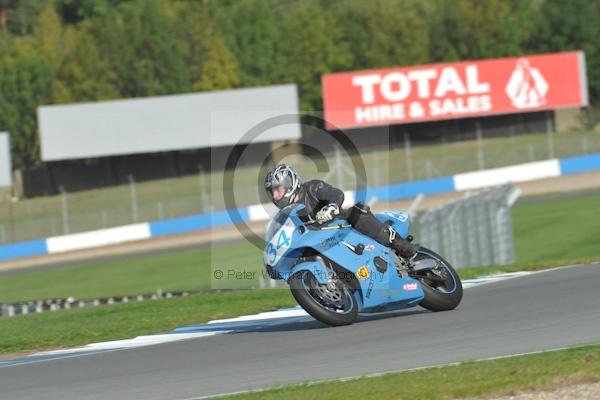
(441, 285)
(333, 303)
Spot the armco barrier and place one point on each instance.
(575, 165)
(23, 249)
(98, 238)
(467, 181)
(401, 191)
(198, 222)
(501, 176)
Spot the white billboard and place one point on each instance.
(5, 163)
(164, 123)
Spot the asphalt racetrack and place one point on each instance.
(547, 310)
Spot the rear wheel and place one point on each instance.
(441, 285)
(332, 303)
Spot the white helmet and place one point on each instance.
(286, 176)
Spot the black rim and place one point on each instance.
(333, 297)
(441, 279)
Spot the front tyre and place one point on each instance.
(441, 285)
(332, 303)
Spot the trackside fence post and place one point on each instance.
(134, 199)
(408, 156)
(480, 154)
(206, 205)
(65, 209)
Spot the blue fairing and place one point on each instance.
(400, 221)
(315, 267)
(379, 285)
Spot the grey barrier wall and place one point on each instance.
(163, 123)
(5, 161)
(473, 231)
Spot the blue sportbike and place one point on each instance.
(335, 272)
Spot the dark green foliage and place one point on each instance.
(20, 16)
(250, 32)
(471, 29)
(73, 11)
(138, 42)
(60, 51)
(25, 83)
(309, 47)
(571, 25)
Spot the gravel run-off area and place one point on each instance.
(588, 391)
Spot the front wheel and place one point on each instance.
(332, 303)
(441, 285)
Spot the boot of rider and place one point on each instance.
(365, 222)
(404, 248)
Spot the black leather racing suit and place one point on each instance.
(316, 194)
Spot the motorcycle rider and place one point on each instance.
(323, 203)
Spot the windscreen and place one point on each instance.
(277, 222)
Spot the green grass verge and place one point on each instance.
(470, 379)
(183, 270)
(557, 230)
(64, 329)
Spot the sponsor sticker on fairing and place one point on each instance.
(363, 272)
(410, 286)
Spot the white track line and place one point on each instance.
(139, 341)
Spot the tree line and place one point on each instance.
(66, 51)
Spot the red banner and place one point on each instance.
(455, 90)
